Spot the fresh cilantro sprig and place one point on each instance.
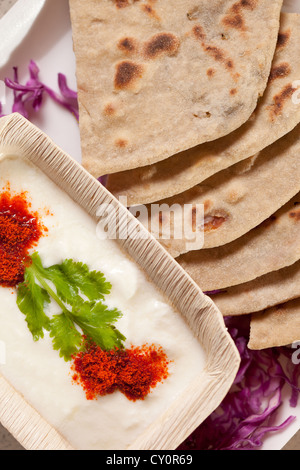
(79, 293)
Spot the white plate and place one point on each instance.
(49, 44)
(22, 15)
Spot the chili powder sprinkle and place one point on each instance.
(134, 371)
(19, 231)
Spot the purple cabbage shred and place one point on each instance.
(215, 292)
(249, 410)
(31, 95)
(103, 180)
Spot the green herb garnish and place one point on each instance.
(80, 293)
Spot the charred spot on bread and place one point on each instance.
(280, 71)
(279, 101)
(128, 45)
(161, 43)
(283, 38)
(126, 74)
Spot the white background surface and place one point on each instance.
(49, 44)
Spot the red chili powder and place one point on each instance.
(134, 371)
(19, 231)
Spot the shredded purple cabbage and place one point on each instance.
(31, 94)
(248, 412)
(215, 292)
(103, 179)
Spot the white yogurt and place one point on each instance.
(37, 371)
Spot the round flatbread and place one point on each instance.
(275, 116)
(156, 77)
(275, 327)
(264, 292)
(271, 246)
(235, 201)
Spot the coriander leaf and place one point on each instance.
(107, 337)
(91, 283)
(68, 281)
(31, 299)
(96, 321)
(95, 312)
(65, 337)
(70, 278)
(65, 287)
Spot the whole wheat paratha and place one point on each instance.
(275, 327)
(271, 246)
(156, 77)
(264, 292)
(235, 200)
(275, 116)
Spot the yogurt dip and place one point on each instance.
(37, 371)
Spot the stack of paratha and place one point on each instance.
(195, 103)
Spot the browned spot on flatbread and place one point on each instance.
(215, 52)
(295, 214)
(150, 11)
(234, 18)
(127, 74)
(218, 54)
(283, 38)
(229, 64)
(246, 4)
(124, 3)
(121, 3)
(128, 45)
(279, 101)
(280, 71)
(109, 110)
(161, 43)
(210, 72)
(233, 91)
(213, 222)
(121, 143)
(199, 32)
